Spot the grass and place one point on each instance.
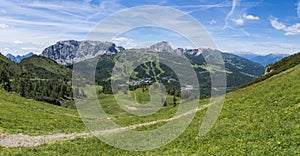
(123, 118)
(262, 119)
(20, 115)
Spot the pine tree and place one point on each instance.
(174, 101)
(164, 101)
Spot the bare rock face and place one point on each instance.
(166, 47)
(70, 51)
(161, 47)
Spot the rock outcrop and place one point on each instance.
(70, 51)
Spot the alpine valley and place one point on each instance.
(251, 121)
(149, 78)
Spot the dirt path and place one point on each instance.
(21, 140)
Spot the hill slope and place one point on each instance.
(258, 120)
(43, 68)
(9, 66)
(20, 115)
(278, 67)
(284, 64)
(37, 78)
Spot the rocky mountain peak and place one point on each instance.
(161, 47)
(70, 51)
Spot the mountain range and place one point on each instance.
(18, 58)
(257, 119)
(238, 70)
(55, 65)
(262, 59)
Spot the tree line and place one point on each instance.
(49, 90)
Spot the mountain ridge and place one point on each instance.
(70, 51)
(239, 70)
(262, 59)
(19, 58)
(41, 69)
(263, 118)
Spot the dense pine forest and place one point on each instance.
(37, 78)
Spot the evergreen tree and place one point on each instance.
(164, 101)
(174, 101)
(4, 81)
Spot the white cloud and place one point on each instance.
(289, 30)
(202, 6)
(50, 16)
(5, 50)
(125, 42)
(3, 26)
(170, 20)
(293, 30)
(261, 47)
(212, 22)
(234, 4)
(18, 42)
(251, 17)
(29, 49)
(105, 8)
(277, 25)
(239, 21)
(242, 20)
(49, 21)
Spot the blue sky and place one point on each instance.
(257, 26)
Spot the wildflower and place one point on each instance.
(278, 142)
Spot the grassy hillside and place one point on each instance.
(278, 67)
(262, 119)
(284, 64)
(9, 66)
(20, 115)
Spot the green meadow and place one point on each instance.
(261, 119)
